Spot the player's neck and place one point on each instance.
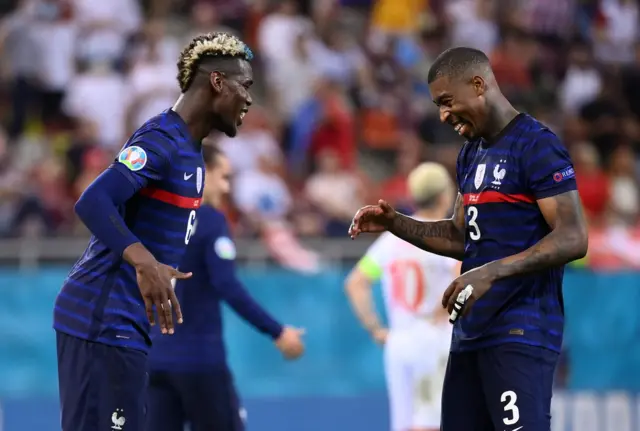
(198, 124)
(501, 114)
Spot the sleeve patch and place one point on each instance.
(564, 174)
(225, 248)
(134, 158)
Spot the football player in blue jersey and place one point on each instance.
(517, 221)
(141, 212)
(189, 378)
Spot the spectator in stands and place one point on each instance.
(336, 191)
(98, 94)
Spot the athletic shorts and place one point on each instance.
(101, 387)
(205, 400)
(505, 388)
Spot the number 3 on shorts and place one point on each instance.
(513, 414)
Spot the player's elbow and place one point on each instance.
(90, 203)
(578, 241)
(83, 204)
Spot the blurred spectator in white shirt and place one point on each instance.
(99, 94)
(295, 81)
(277, 34)
(473, 23)
(54, 29)
(615, 39)
(20, 48)
(105, 26)
(151, 82)
(625, 198)
(582, 82)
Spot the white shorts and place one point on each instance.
(415, 364)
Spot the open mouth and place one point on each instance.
(462, 128)
(242, 114)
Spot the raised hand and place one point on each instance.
(372, 219)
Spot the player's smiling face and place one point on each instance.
(235, 99)
(461, 104)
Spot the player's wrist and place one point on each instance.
(491, 271)
(139, 257)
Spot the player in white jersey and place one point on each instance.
(416, 345)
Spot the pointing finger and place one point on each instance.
(180, 275)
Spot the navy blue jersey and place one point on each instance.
(500, 182)
(100, 300)
(197, 344)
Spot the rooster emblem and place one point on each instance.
(498, 175)
(118, 421)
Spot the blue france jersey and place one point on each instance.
(100, 300)
(198, 344)
(500, 183)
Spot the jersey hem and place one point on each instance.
(107, 342)
(487, 343)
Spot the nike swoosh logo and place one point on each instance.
(516, 429)
(186, 177)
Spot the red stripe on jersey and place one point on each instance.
(494, 196)
(171, 198)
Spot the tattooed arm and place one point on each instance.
(444, 237)
(566, 242)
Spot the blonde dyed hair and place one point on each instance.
(427, 181)
(210, 45)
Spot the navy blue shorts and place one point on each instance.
(205, 400)
(505, 388)
(101, 387)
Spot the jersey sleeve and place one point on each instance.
(548, 167)
(220, 257)
(372, 263)
(146, 157)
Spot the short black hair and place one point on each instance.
(455, 62)
(214, 46)
(211, 155)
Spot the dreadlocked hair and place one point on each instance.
(210, 45)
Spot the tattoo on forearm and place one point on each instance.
(565, 243)
(441, 237)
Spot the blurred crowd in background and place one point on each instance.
(342, 110)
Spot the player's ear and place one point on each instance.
(479, 85)
(216, 81)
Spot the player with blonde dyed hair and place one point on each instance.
(215, 75)
(416, 345)
(141, 212)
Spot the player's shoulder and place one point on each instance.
(535, 133)
(212, 221)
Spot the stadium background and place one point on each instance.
(343, 113)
